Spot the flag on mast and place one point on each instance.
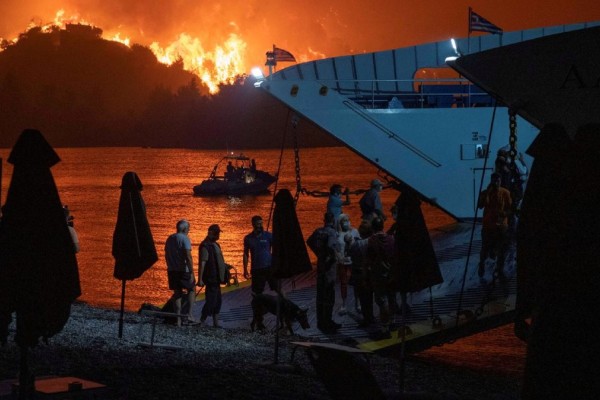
(282, 55)
(480, 24)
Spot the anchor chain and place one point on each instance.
(512, 140)
(297, 160)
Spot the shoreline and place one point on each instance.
(219, 363)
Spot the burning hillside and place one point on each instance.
(222, 64)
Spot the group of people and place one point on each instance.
(364, 258)
(348, 247)
(234, 173)
(213, 271)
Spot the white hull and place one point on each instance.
(434, 142)
(432, 150)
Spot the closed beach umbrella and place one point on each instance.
(290, 257)
(418, 265)
(133, 246)
(39, 278)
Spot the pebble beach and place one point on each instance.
(214, 363)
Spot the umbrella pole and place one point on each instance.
(122, 309)
(26, 382)
(276, 360)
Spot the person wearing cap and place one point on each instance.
(180, 269)
(370, 202)
(212, 274)
(496, 203)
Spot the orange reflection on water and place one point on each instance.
(88, 180)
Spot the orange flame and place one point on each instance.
(220, 65)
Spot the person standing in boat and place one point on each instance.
(212, 274)
(230, 174)
(335, 202)
(180, 269)
(496, 203)
(257, 248)
(370, 202)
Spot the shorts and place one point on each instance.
(259, 279)
(180, 280)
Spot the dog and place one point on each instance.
(288, 312)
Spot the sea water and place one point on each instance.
(88, 181)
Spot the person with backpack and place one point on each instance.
(381, 253)
(324, 243)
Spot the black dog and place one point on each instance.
(288, 312)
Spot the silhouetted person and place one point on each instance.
(360, 276)
(180, 269)
(257, 249)
(381, 260)
(324, 243)
(370, 202)
(335, 202)
(496, 204)
(212, 274)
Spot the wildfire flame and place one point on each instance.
(220, 65)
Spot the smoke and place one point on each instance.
(307, 28)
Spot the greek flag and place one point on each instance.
(480, 24)
(283, 55)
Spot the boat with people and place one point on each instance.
(412, 113)
(239, 177)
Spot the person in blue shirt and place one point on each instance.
(335, 202)
(257, 249)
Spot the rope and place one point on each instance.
(278, 170)
(297, 161)
(487, 153)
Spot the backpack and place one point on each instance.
(317, 241)
(379, 263)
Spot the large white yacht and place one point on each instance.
(407, 113)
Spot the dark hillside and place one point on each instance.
(82, 90)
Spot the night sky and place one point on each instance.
(308, 29)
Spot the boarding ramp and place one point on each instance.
(450, 311)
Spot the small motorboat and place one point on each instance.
(240, 178)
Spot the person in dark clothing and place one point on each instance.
(212, 274)
(496, 203)
(381, 261)
(558, 274)
(370, 202)
(324, 243)
(359, 277)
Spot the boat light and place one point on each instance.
(455, 47)
(257, 73)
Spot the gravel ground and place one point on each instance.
(220, 364)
